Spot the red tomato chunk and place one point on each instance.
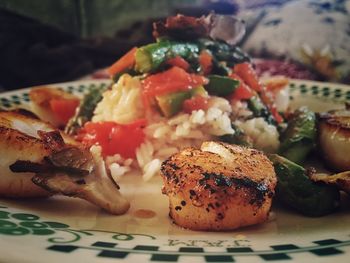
(64, 109)
(246, 72)
(195, 103)
(178, 62)
(171, 80)
(114, 138)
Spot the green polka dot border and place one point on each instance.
(324, 91)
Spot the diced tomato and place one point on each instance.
(178, 62)
(268, 99)
(206, 61)
(171, 80)
(195, 103)
(246, 72)
(247, 76)
(64, 109)
(243, 92)
(114, 138)
(276, 115)
(125, 62)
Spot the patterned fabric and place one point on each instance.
(310, 32)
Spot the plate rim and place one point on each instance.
(281, 253)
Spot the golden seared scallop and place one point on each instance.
(39, 160)
(334, 139)
(218, 187)
(340, 180)
(19, 140)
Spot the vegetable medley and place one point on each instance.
(179, 73)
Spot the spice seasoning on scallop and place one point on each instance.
(221, 190)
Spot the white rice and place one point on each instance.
(150, 169)
(240, 110)
(118, 171)
(264, 135)
(168, 136)
(165, 136)
(121, 103)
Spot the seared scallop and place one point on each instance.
(218, 187)
(340, 180)
(19, 140)
(334, 139)
(39, 160)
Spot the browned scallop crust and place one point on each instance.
(209, 192)
(19, 145)
(34, 153)
(16, 145)
(334, 139)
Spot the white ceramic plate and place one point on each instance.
(62, 229)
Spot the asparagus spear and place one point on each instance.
(223, 52)
(221, 85)
(85, 110)
(150, 57)
(259, 109)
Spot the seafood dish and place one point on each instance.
(190, 109)
(219, 186)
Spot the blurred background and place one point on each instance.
(45, 41)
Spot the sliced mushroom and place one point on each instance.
(33, 151)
